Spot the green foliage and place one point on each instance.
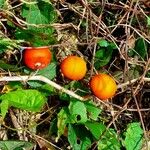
(133, 137)
(103, 43)
(63, 119)
(48, 72)
(78, 111)
(78, 119)
(39, 18)
(2, 3)
(83, 91)
(141, 48)
(109, 141)
(78, 138)
(96, 128)
(46, 90)
(6, 66)
(92, 111)
(82, 132)
(6, 43)
(30, 23)
(104, 53)
(30, 100)
(41, 12)
(16, 145)
(148, 20)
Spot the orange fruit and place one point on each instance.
(37, 57)
(103, 86)
(73, 67)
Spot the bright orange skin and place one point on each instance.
(103, 86)
(37, 58)
(73, 67)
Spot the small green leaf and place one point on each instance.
(39, 13)
(2, 3)
(30, 100)
(6, 43)
(82, 89)
(100, 53)
(46, 89)
(78, 141)
(49, 72)
(133, 137)
(15, 85)
(103, 57)
(103, 43)
(141, 48)
(148, 20)
(15, 145)
(96, 128)
(92, 110)
(9, 67)
(4, 108)
(109, 141)
(72, 138)
(78, 111)
(63, 119)
(36, 37)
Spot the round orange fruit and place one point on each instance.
(103, 86)
(37, 57)
(73, 67)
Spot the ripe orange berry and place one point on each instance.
(103, 86)
(37, 57)
(73, 67)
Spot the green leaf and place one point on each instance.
(96, 128)
(78, 111)
(148, 20)
(46, 90)
(109, 141)
(103, 57)
(78, 142)
(39, 16)
(53, 127)
(30, 100)
(103, 43)
(4, 108)
(15, 85)
(104, 53)
(2, 3)
(72, 138)
(36, 37)
(6, 43)
(49, 72)
(82, 89)
(133, 137)
(92, 110)
(62, 120)
(63, 96)
(9, 67)
(16, 145)
(141, 48)
(39, 13)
